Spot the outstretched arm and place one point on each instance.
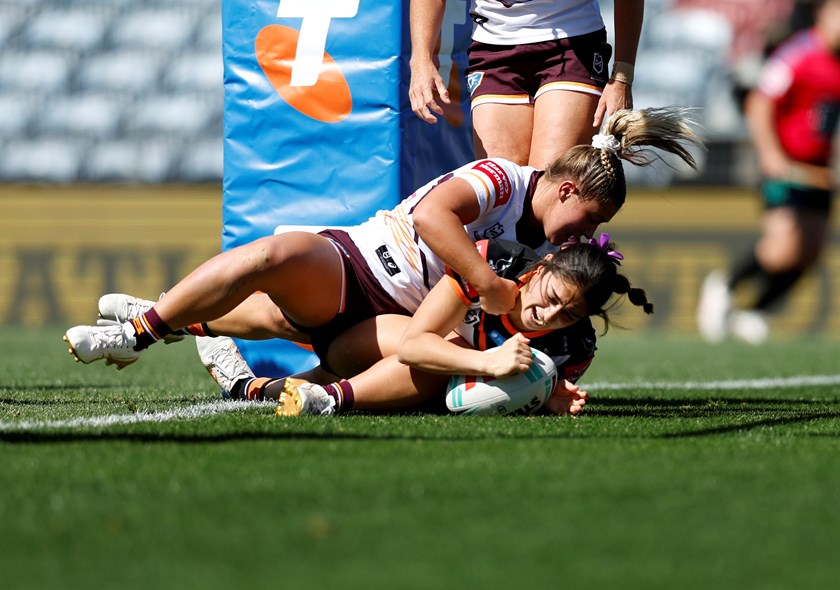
(425, 346)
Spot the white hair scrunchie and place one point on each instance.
(609, 143)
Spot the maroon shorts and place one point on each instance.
(364, 298)
(518, 74)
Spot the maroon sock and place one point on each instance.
(342, 393)
(149, 328)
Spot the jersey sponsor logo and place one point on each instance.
(296, 62)
(387, 260)
(494, 231)
(501, 182)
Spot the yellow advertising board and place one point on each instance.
(62, 247)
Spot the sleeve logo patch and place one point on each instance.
(499, 179)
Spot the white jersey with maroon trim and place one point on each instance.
(400, 260)
(515, 22)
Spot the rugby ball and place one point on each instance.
(520, 394)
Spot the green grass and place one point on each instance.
(658, 485)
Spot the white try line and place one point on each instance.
(792, 382)
(187, 413)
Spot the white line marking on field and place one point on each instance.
(219, 407)
(186, 413)
(800, 381)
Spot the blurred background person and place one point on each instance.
(792, 115)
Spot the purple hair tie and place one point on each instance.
(602, 242)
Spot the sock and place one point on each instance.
(775, 286)
(342, 393)
(149, 328)
(748, 267)
(198, 330)
(250, 389)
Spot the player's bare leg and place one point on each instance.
(503, 131)
(562, 119)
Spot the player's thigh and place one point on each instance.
(562, 119)
(503, 131)
(306, 277)
(366, 343)
(257, 318)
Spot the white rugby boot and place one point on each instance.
(222, 359)
(120, 307)
(749, 326)
(714, 307)
(113, 342)
(302, 397)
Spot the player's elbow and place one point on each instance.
(407, 351)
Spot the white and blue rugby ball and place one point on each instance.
(519, 394)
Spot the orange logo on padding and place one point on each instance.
(327, 100)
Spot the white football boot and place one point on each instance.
(113, 342)
(749, 326)
(222, 359)
(302, 397)
(120, 307)
(714, 308)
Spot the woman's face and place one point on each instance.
(548, 302)
(572, 216)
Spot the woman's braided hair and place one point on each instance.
(598, 169)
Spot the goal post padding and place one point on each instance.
(318, 129)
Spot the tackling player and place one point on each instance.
(314, 287)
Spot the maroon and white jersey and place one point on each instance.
(402, 262)
(516, 22)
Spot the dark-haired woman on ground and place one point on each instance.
(450, 334)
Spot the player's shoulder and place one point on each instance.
(509, 259)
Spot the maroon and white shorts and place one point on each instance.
(363, 298)
(518, 74)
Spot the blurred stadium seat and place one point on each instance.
(93, 115)
(130, 89)
(44, 159)
(163, 28)
(80, 28)
(34, 71)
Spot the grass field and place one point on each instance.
(692, 467)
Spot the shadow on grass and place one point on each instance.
(735, 415)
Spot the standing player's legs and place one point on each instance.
(562, 119)
(503, 131)
(534, 101)
(791, 239)
(501, 103)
